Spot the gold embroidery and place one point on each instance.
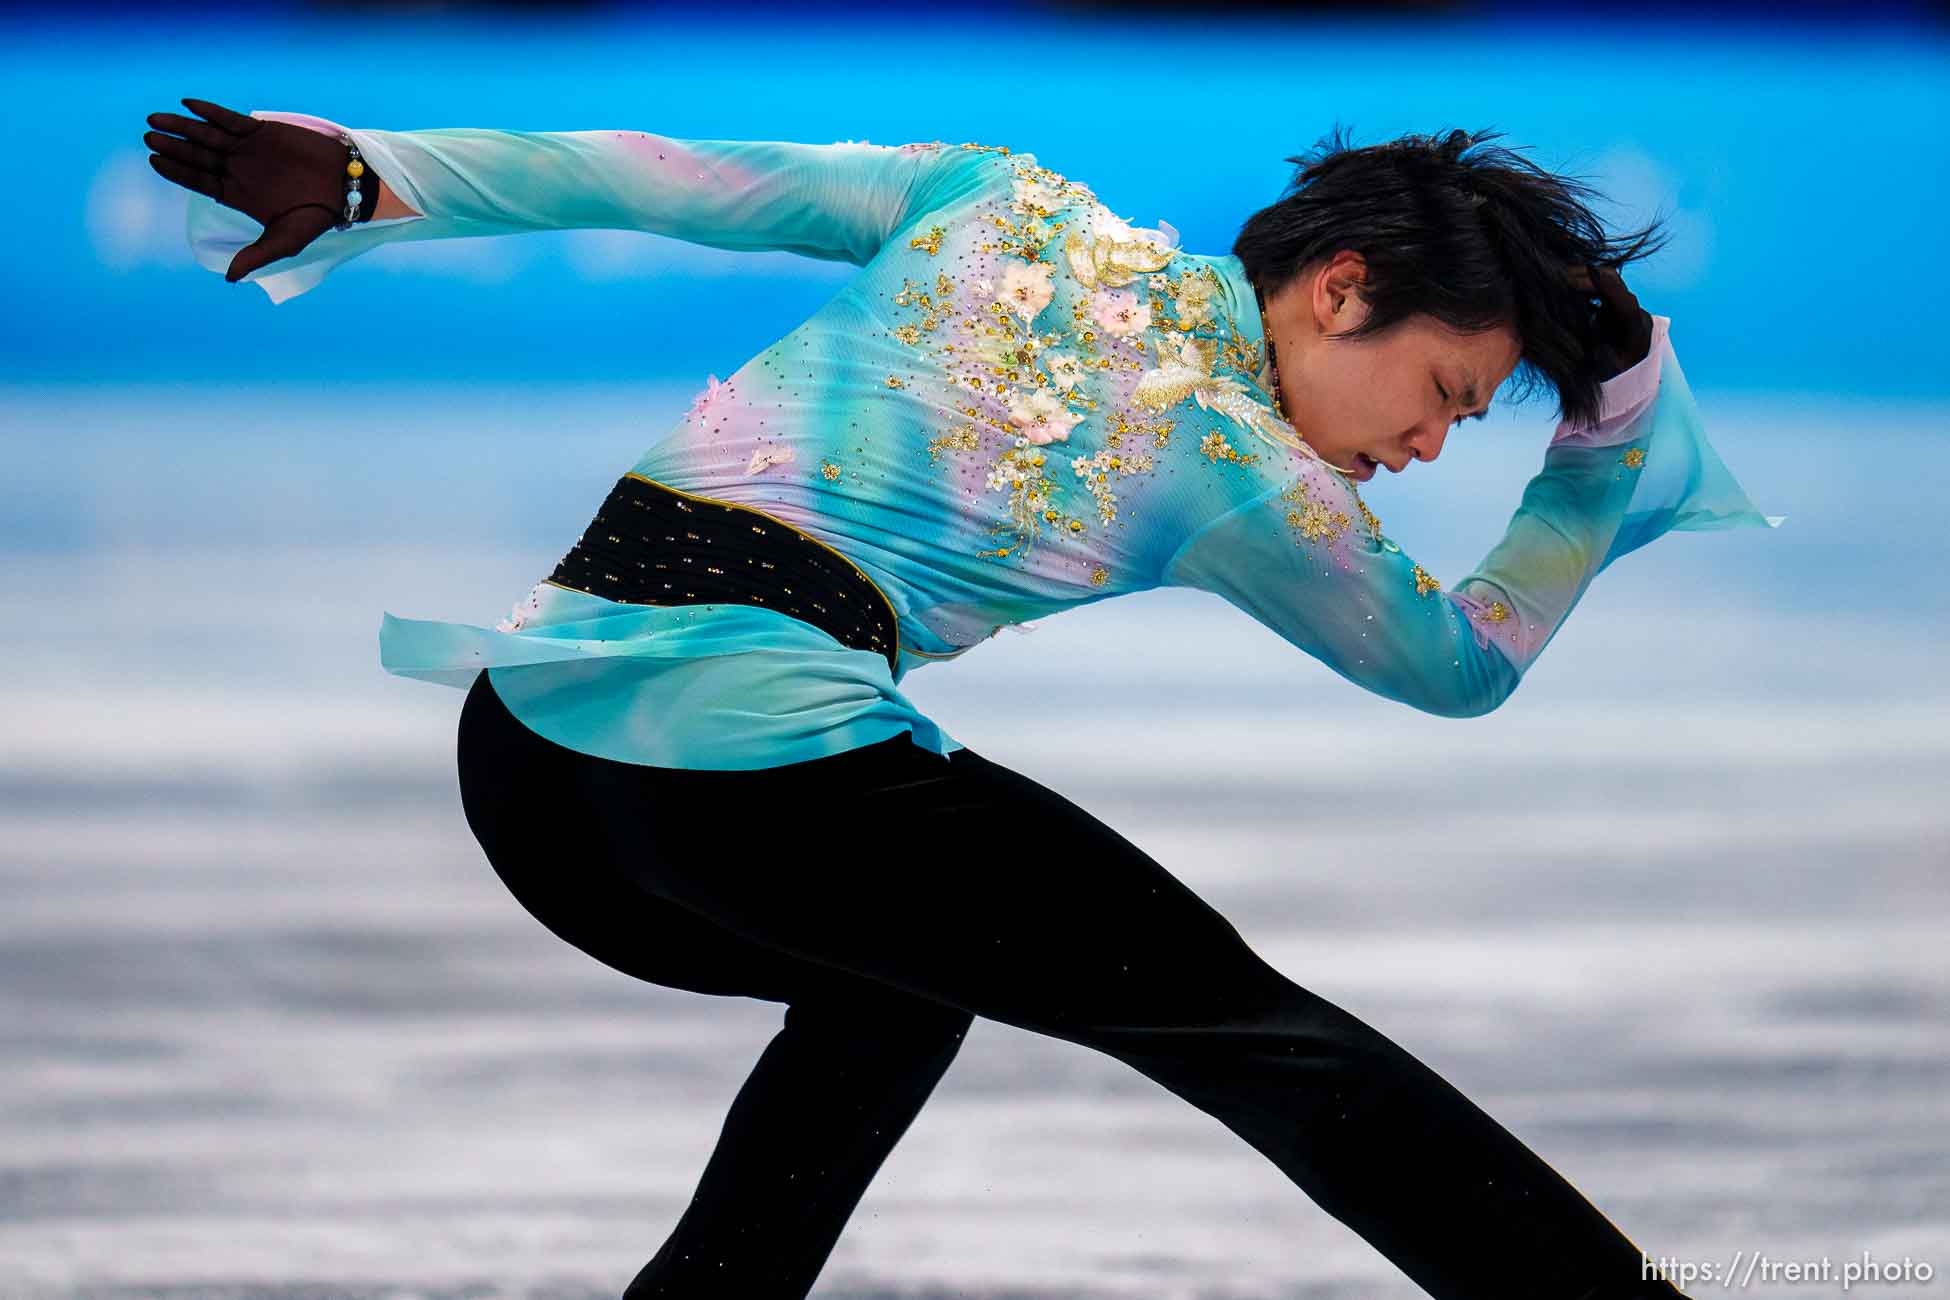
(1367, 515)
(1096, 470)
(1189, 296)
(1315, 521)
(893, 381)
(1040, 192)
(1424, 583)
(1160, 431)
(1031, 387)
(1019, 471)
(1497, 612)
(929, 243)
(912, 292)
(1099, 576)
(1216, 448)
(1634, 458)
(1248, 356)
(1184, 366)
(962, 439)
(829, 469)
(1114, 254)
(1032, 236)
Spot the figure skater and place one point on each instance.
(686, 752)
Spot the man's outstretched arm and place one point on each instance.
(837, 202)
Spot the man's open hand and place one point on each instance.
(290, 179)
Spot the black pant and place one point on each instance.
(787, 884)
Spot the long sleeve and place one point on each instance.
(839, 202)
(1307, 560)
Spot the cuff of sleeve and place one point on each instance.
(217, 232)
(325, 125)
(1623, 397)
(377, 154)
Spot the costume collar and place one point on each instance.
(1241, 307)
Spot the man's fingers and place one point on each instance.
(190, 178)
(192, 155)
(1611, 287)
(235, 123)
(213, 138)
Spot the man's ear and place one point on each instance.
(1338, 303)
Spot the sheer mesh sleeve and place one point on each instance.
(1307, 559)
(839, 202)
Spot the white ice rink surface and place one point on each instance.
(270, 1026)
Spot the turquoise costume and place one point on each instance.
(1018, 405)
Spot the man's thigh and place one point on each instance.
(960, 881)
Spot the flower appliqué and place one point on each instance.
(1027, 288)
(1120, 312)
(525, 609)
(1042, 417)
(1114, 253)
(766, 457)
(1065, 371)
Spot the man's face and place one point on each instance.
(1392, 398)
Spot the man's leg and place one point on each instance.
(831, 1094)
(970, 885)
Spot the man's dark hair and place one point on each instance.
(1467, 232)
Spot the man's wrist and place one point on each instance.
(391, 205)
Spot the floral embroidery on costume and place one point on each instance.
(1214, 446)
(1314, 520)
(1042, 416)
(1113, 253)
(1027, 289)
(525, 608)
(1096, 470)
(762, 458)
(1069, 324)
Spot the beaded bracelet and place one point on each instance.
(355, 168)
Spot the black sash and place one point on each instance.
(651, 544)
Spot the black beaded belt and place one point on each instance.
(652, 544)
